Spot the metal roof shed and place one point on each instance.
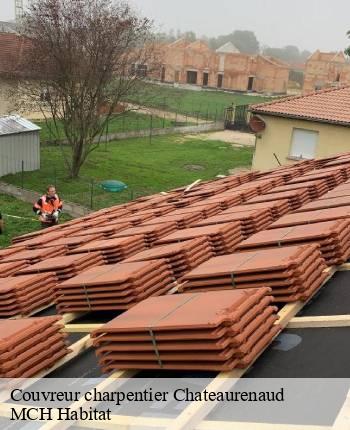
(19, 145)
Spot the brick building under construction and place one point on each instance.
(196, 64)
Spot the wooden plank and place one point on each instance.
(320, 321)
(197, 411)
(123, 375)
(71, 316)
(189, 188)
(344, 267)
(81, 328)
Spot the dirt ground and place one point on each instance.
(237, 138)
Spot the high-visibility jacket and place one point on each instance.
(48, 204)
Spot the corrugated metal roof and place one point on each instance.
(15, 124)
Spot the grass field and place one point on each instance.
(146, 168)
(130, 121)
(205, 103)
(17, 226)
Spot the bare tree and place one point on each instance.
(83, 55)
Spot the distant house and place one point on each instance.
(326, 70)
(303, 127)
(226, 68)
(19, 145)
(11, 50)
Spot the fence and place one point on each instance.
(133, 123)
(84, 191)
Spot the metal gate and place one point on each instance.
(237, 118)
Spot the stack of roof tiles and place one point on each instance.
(182, 220)
(226, 200)
(277, 208)
(114, 250)
(206, 209)
(325, 203)
(105, 231)
(333, 178)
(67, 266)
(251, 221)
(293, 273)
(310, 217)
(21, 295)
(73, 242)
(296, 198)
(114, 287)
(28, 346)
(223, 238)
(332, 236)
(315, 188)
(33, 256)
(151, 233)
(216, 331)
(181, 257)
(11, 268)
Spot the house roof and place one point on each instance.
(14, 124)
(228, 48)
(329, 106)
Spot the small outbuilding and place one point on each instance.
(19, 145)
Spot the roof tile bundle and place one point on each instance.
(114, 287)
(114, 250)
(11, 268)
(277, 208)
(67, 266)
(311, 217)
(292, 272)
(339, 191)
(33, 256)
(207, 209)
(315, 188)
(157, 211)
(223, 238)
(333, 178)
(151, 233)
(251, 221)
(181, 257)
(296, 198)
(216, 331)
(133, 220)
(344, 169)
(332, 236)
(325, 204)
(21, 295)
(7, 252)
(182, 201)
(38, 241)
(182, 220)
(74, 241)
(105, 230)
(28, 346)
(225, 200)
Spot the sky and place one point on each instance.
(308, 24)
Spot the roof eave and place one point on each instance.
(301, 117)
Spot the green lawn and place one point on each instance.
(165, 163)
(17, 226)
(128, 121)
(205, 103)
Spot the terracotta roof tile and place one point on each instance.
(330, 106)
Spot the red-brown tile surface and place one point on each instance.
(293, 272)
(28, 346)
(214, 331)
(115, 286)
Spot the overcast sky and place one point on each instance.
(309, 24)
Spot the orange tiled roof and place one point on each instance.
(330, 106)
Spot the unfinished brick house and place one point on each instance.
(326, 70)
(227, 68)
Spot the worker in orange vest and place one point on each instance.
(48, 207)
